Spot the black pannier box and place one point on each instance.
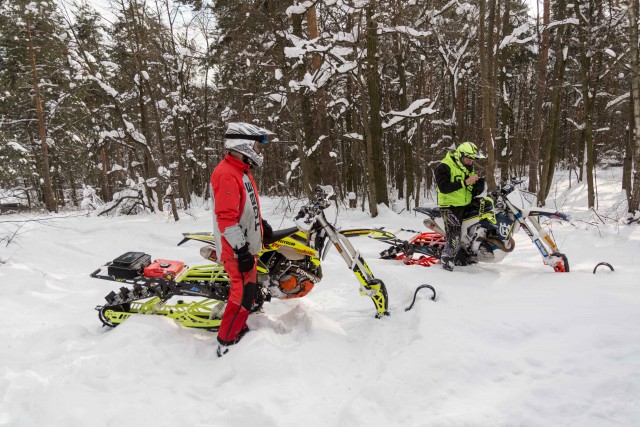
(129, 265)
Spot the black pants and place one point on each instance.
(452, 217)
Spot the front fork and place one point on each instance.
(551, 256)
(369, 285)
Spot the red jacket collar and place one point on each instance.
(239, 164)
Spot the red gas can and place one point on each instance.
(164, 269)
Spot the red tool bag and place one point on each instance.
(164, 269)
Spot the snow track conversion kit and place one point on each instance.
(289, 266)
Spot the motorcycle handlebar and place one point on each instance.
(314, 208)
(507, 188)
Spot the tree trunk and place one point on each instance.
(350, 156)
(628, 156)
(309, 167)
(419, 138)
(504, 146)
(588, 78)
(541, 90)
(105, 190)
(374, 142)
(137, 48)
(47, 187)
(321, 116)
(182, 170)
(487, 82)
(634, 202)
(551, 145)
(163, 153)
(407, 153)
(369, 170)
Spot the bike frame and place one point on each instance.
(540, 236)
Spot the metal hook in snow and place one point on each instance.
(433, 298)
(602, 263)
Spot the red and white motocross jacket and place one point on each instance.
(236, 209)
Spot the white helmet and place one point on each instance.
(246, 139)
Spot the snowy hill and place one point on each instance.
(509, 344)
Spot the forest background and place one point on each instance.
(127, 104)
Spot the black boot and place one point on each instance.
(222, 350)
(447, 264)
(462, 258)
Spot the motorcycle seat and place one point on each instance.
(280, 234)
(470, 213)
(475, 207)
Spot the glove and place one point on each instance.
(267, 231)
(246, 261)
(302, 220)
(478, 187)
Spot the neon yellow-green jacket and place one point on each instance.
(457, 176)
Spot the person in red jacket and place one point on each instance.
(238, 225)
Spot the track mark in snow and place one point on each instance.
(300, 321)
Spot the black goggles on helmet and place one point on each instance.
(258, 138)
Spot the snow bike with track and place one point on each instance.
(487, 232)
(289, 266)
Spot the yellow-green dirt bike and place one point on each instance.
(289, 266)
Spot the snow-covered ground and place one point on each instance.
(509, 344)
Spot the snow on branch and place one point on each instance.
(354, 135)
(17, 147)
(411, 111)
(334, 62)
(513, 37)
(301, 47)
(578, 126)
(105, 87)
(618, 100)
(299, 9)
(524, 28)
(137, 136)
(311, 150)
(402, 29)
(307, 81)
(113, 134)
(568, 21)
(292, 168)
